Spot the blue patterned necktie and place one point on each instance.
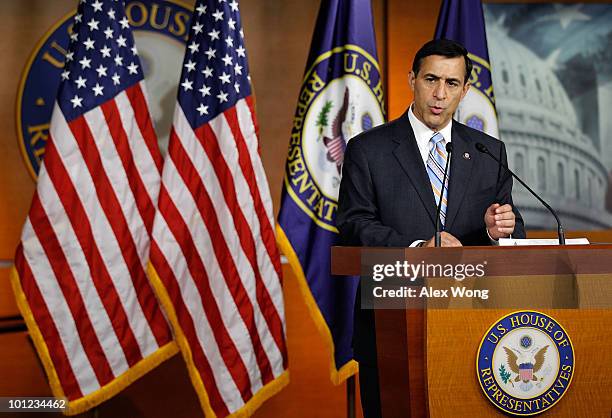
(436, 161)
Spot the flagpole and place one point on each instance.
(350, 397)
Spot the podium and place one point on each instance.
(427, 351)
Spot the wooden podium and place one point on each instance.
(427, 354)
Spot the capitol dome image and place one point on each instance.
(546, 147)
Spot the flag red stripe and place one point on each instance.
(193, 182)
(47, 328)
(272, 317)
(227, 347)
(114, 213)
(99, 273)
(143, 118)
(267, 230)
(117, 132)
(70, 290)
(187, 326)
(205, 135)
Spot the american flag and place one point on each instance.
(80, 277)
(214, 247)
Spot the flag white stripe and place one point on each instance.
(232, 320)
(141, 154)
(115, 171)
(104, 236)
(205, 167)
(193, 303)
(58, 309)
(247, 127)
(230, 153)
(82, 275)
(272, 281)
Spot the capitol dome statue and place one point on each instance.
(545, 144)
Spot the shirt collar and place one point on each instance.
(423, 133)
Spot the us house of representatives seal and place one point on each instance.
(160, 32)
(341, 96)
(525, 363)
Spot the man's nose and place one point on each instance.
(440, 90)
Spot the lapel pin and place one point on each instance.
(466, 156)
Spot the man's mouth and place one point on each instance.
(436, 110)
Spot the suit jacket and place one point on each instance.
(386, 198)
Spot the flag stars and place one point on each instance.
(111, 14)
(238, 69)
(197, 28)
(116, 79)
(118, 60)
(214, 34)
(70, 56)
(76, 101)
(201, 9)
(229, 41)
(81, 82)
(74, 37)
(121, 41)
(208, 72)
(78, 18)
(241, 51)
(97, 6)
(205, 90)
(237, 87)
(93, 24)
(227, 59)
(125, 23)
(109, 33)
(85, 63)
(218, 15)
(106, 52)
(202, 110)
(231, 23)
(98, 90)
(211, 53)
(234, 6)
(65, 75)
(89, 44)
(194, 47)
(133, 68)
(191, 66)
(222, 97)
(134, 50)
(101, 70)
(187, 85)
(224, 78)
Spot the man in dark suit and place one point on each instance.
(392, 182)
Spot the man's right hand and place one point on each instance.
(446, 240)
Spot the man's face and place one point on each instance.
(438, 88)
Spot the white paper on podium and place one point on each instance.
(542, 241)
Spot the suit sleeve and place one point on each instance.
(504, 193)
(358, 217)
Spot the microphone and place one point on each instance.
(480, 147)
(438, 238)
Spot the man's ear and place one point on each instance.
(411, 79)
(466, 87)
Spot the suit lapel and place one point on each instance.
(460, 174)
(409, 158)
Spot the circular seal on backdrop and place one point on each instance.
(525, 363)
(477, 109)
(160, 31)
(341, 96)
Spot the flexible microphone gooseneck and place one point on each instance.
(438, 238)
(480, 147)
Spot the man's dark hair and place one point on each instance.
(446, 48)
